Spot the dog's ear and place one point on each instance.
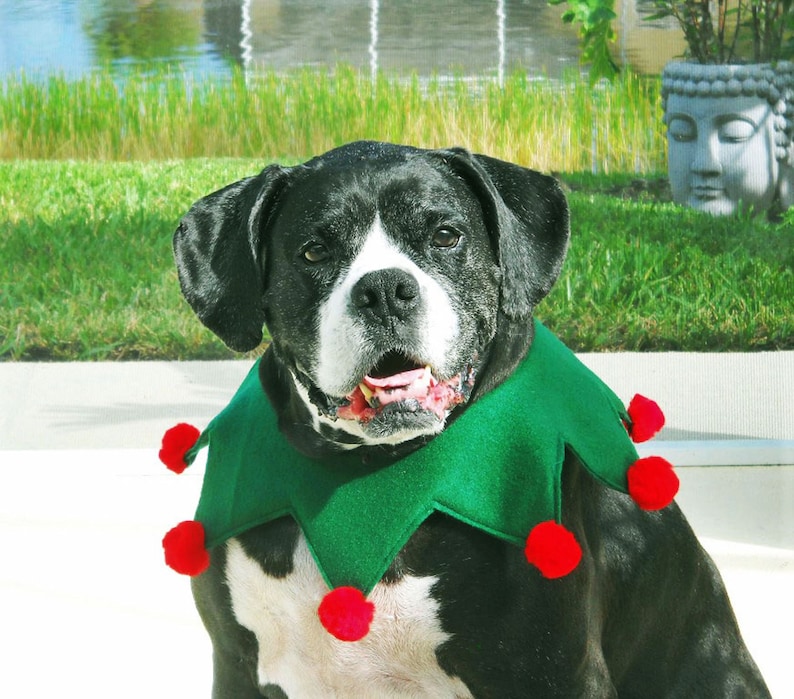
(527, 215)
(219, 251)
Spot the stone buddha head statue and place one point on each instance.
(729, 131)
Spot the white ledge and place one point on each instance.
(724, 452)
(746, 399)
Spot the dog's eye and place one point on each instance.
(445, 238)
(315, 253)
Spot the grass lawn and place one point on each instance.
(88, 271)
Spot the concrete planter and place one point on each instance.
(729, 130)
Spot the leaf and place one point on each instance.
(662, 14)
(602, 14)
(595, 33)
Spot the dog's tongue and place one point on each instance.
(373, 393)
(407, 384)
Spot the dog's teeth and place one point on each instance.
(368, 394)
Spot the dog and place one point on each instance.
(374, 261)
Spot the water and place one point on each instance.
(210, 37)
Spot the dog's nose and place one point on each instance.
(386, 293)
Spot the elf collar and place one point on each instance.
(497, 468)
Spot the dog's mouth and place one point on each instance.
(401, 384)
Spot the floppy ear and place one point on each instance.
(527, 215)
(219, 255)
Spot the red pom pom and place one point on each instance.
(184, 548)
(346, 614)
(652, 482)
(176, 443)
(646, 417)
(552, 549)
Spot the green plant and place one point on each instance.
(595, 31)
(716, 31)
(276, 116)
(733, 31)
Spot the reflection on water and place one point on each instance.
(469, 37)
(140, 32)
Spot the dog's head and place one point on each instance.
(396, 283)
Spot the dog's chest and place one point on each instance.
(397, 658)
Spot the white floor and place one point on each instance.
(88, 609)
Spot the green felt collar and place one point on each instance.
(497, 467)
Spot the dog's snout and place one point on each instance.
(386, 294)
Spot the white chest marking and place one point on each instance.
(396, 660)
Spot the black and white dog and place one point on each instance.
(375, 260)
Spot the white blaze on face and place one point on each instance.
(343, 336)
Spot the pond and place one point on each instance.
(211, 37)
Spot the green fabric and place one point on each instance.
(497, 468)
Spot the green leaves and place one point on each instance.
(754, 31)
(595, 30)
